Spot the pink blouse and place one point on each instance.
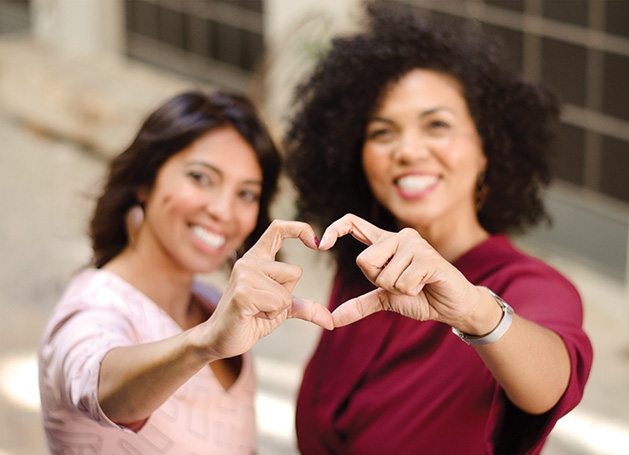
(100, 311)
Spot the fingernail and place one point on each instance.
(316, 240)
(323, 240)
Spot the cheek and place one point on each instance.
(172, 204)
(374, 166)
(465, 157)
(478, 154)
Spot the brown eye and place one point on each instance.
(438, 124)
(201, 178)
(380, 134)
(249, 196)
(437, 128)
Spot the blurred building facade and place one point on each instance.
(263, 47)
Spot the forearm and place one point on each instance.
(135, 380)
(531, 363)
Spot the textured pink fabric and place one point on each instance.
(393, 385)
(100, 311)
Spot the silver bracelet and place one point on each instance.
(499, 331)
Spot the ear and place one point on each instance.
(482, 163)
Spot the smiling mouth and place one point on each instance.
(210, 239)
(416, 182)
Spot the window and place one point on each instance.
(215, 41)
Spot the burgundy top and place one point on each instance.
(392, 385)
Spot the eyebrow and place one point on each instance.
(219, 172)
(421, 115)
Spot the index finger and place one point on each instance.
(360, 229)
(272, 239)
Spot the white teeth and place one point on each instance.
(416, 182)
(210, 239)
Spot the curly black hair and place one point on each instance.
(515, 120)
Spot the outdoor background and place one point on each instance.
(78, 76)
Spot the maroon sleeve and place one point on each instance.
(542, 295)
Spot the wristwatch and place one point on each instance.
(494, 335)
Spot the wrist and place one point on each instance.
(484, 316)
(490, 328)
(198, 346)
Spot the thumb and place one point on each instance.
(358, 308)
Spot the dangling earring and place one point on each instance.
(136, 215)
(133, 221)
(482, 191)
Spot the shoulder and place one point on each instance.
(529, 284)
(96, 288)
(99, 297)
(498, 257)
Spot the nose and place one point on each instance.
(221, 205)
(411, 147)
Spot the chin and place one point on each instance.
(415, 222)
(207, 266)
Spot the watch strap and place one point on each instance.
(497, 333)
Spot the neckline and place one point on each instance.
(246, 358)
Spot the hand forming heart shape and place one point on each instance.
(413, 279)
(258, 296)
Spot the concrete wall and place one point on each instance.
(79, 26)
(295, 32)
(586, 227)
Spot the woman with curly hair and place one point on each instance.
(415, 139)
(140, 356)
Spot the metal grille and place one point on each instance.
(216, 41)
(14, 16)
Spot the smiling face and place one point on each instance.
(422, 153)
(204, 203)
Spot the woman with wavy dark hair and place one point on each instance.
(139, 356)
(419, 130)
(170, 129)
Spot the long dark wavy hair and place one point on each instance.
(168, 130)
(324, 140)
